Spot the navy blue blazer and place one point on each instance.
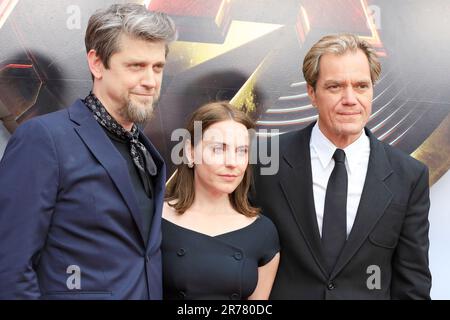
(70, 225)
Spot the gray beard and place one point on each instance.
(136, 113)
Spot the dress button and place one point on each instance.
(181, 252)
(182, 294)
(331, 286)
(235, 296)
(238, 255)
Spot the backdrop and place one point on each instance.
(251, 52)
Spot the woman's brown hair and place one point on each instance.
(180, 192)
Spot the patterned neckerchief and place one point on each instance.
(139, 153)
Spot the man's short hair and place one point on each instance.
(106, 26)
(338, 44)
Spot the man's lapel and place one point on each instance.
(108, 156)
(158, 197)
(296, 185)
(375, 198)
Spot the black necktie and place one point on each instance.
(334, 227)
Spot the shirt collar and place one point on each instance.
(325, 148)
(356, 151)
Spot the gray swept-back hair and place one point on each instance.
(338, 44)
(106, 26)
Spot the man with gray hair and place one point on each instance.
(81, 189)
(351, 211)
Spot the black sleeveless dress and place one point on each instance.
(199, 266)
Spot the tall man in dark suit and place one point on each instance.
(81, 190)
(351, 211)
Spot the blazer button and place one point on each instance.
(182, 295)
(147, 259)
(238, 255)
(235, 296)
(181, 252)
(331, 286)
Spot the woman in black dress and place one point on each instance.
(215, 244)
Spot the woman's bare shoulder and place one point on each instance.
(169, 212)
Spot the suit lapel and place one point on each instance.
(375, 198)
(158, 198)
(296, 185)
(108, 156)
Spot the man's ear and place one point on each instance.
(95, 64)
(312, 94)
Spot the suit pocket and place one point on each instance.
(387, 230)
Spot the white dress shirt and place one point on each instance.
(322, 164)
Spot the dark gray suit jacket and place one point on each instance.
(386, 254)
